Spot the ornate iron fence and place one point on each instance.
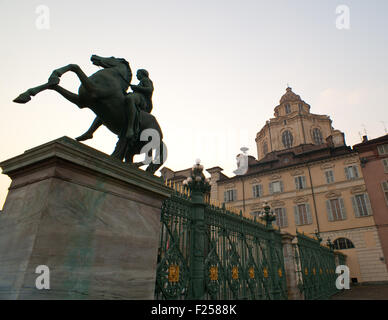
(234, 257)
(315, 267)
(208, 252)
(244, 259)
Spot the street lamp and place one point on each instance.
(330, 244)
(318, 236)
(268, 216)
(197, 181)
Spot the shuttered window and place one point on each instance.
(351, 172)
(361, 205)
(384, 185)
(335, 209)
(276, 187)
(230, 195)
(383, 149)
(257, 190)
(302, 214)
(255, 214)
(300, 182)
(317, 136)
(385, 164)
(329, 176)
(287, 139)
(281, 217)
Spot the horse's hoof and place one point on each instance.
(23, 98)
(84, 137)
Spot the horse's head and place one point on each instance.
(120, 64)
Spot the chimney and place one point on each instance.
(364, 139)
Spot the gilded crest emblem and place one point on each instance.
(251, 273)
(235, 273)
(173, 273)
(213, 273)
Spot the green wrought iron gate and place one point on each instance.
(315, 267)
(208, 252)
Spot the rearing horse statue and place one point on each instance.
(104, 92)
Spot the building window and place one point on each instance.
(342, 244)
(255, 214)
(287, 108)
(317, 136)
(384, 185)
(230, 195)
(300, 107)
(287, 139)
(300, 182)
(351, 172)
(265, 148)
(385, 164)
(276, 187)
(383, 149)
(257, 190)
(302, 214)
(335, 209)
(361, 205)
(281, 217)
(329, 176)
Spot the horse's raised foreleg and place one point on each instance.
(26, 96)
(86, 82)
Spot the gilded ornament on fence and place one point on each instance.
(235, 273)
(265, 272)
(314, 271)
(306, 271)
(213, 273)
(320, 271)
(173, 273)
(251, 273)
(280, 273)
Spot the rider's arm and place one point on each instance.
(143, 87)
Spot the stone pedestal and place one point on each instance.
(92, 220)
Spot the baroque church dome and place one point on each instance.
(289, 96)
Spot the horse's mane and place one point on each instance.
(128, 77)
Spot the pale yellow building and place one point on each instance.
(313, 182)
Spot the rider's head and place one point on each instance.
(141, 73)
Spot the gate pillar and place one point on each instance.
(290, 269)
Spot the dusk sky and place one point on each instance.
(218, 67)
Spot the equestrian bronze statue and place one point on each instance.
(125, 114)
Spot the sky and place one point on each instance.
(219, 69)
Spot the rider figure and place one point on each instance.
(144, 88)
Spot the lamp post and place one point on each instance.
(268, 216)
(318, 236)
(197, 183)
(199, 187)
(330, 244)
